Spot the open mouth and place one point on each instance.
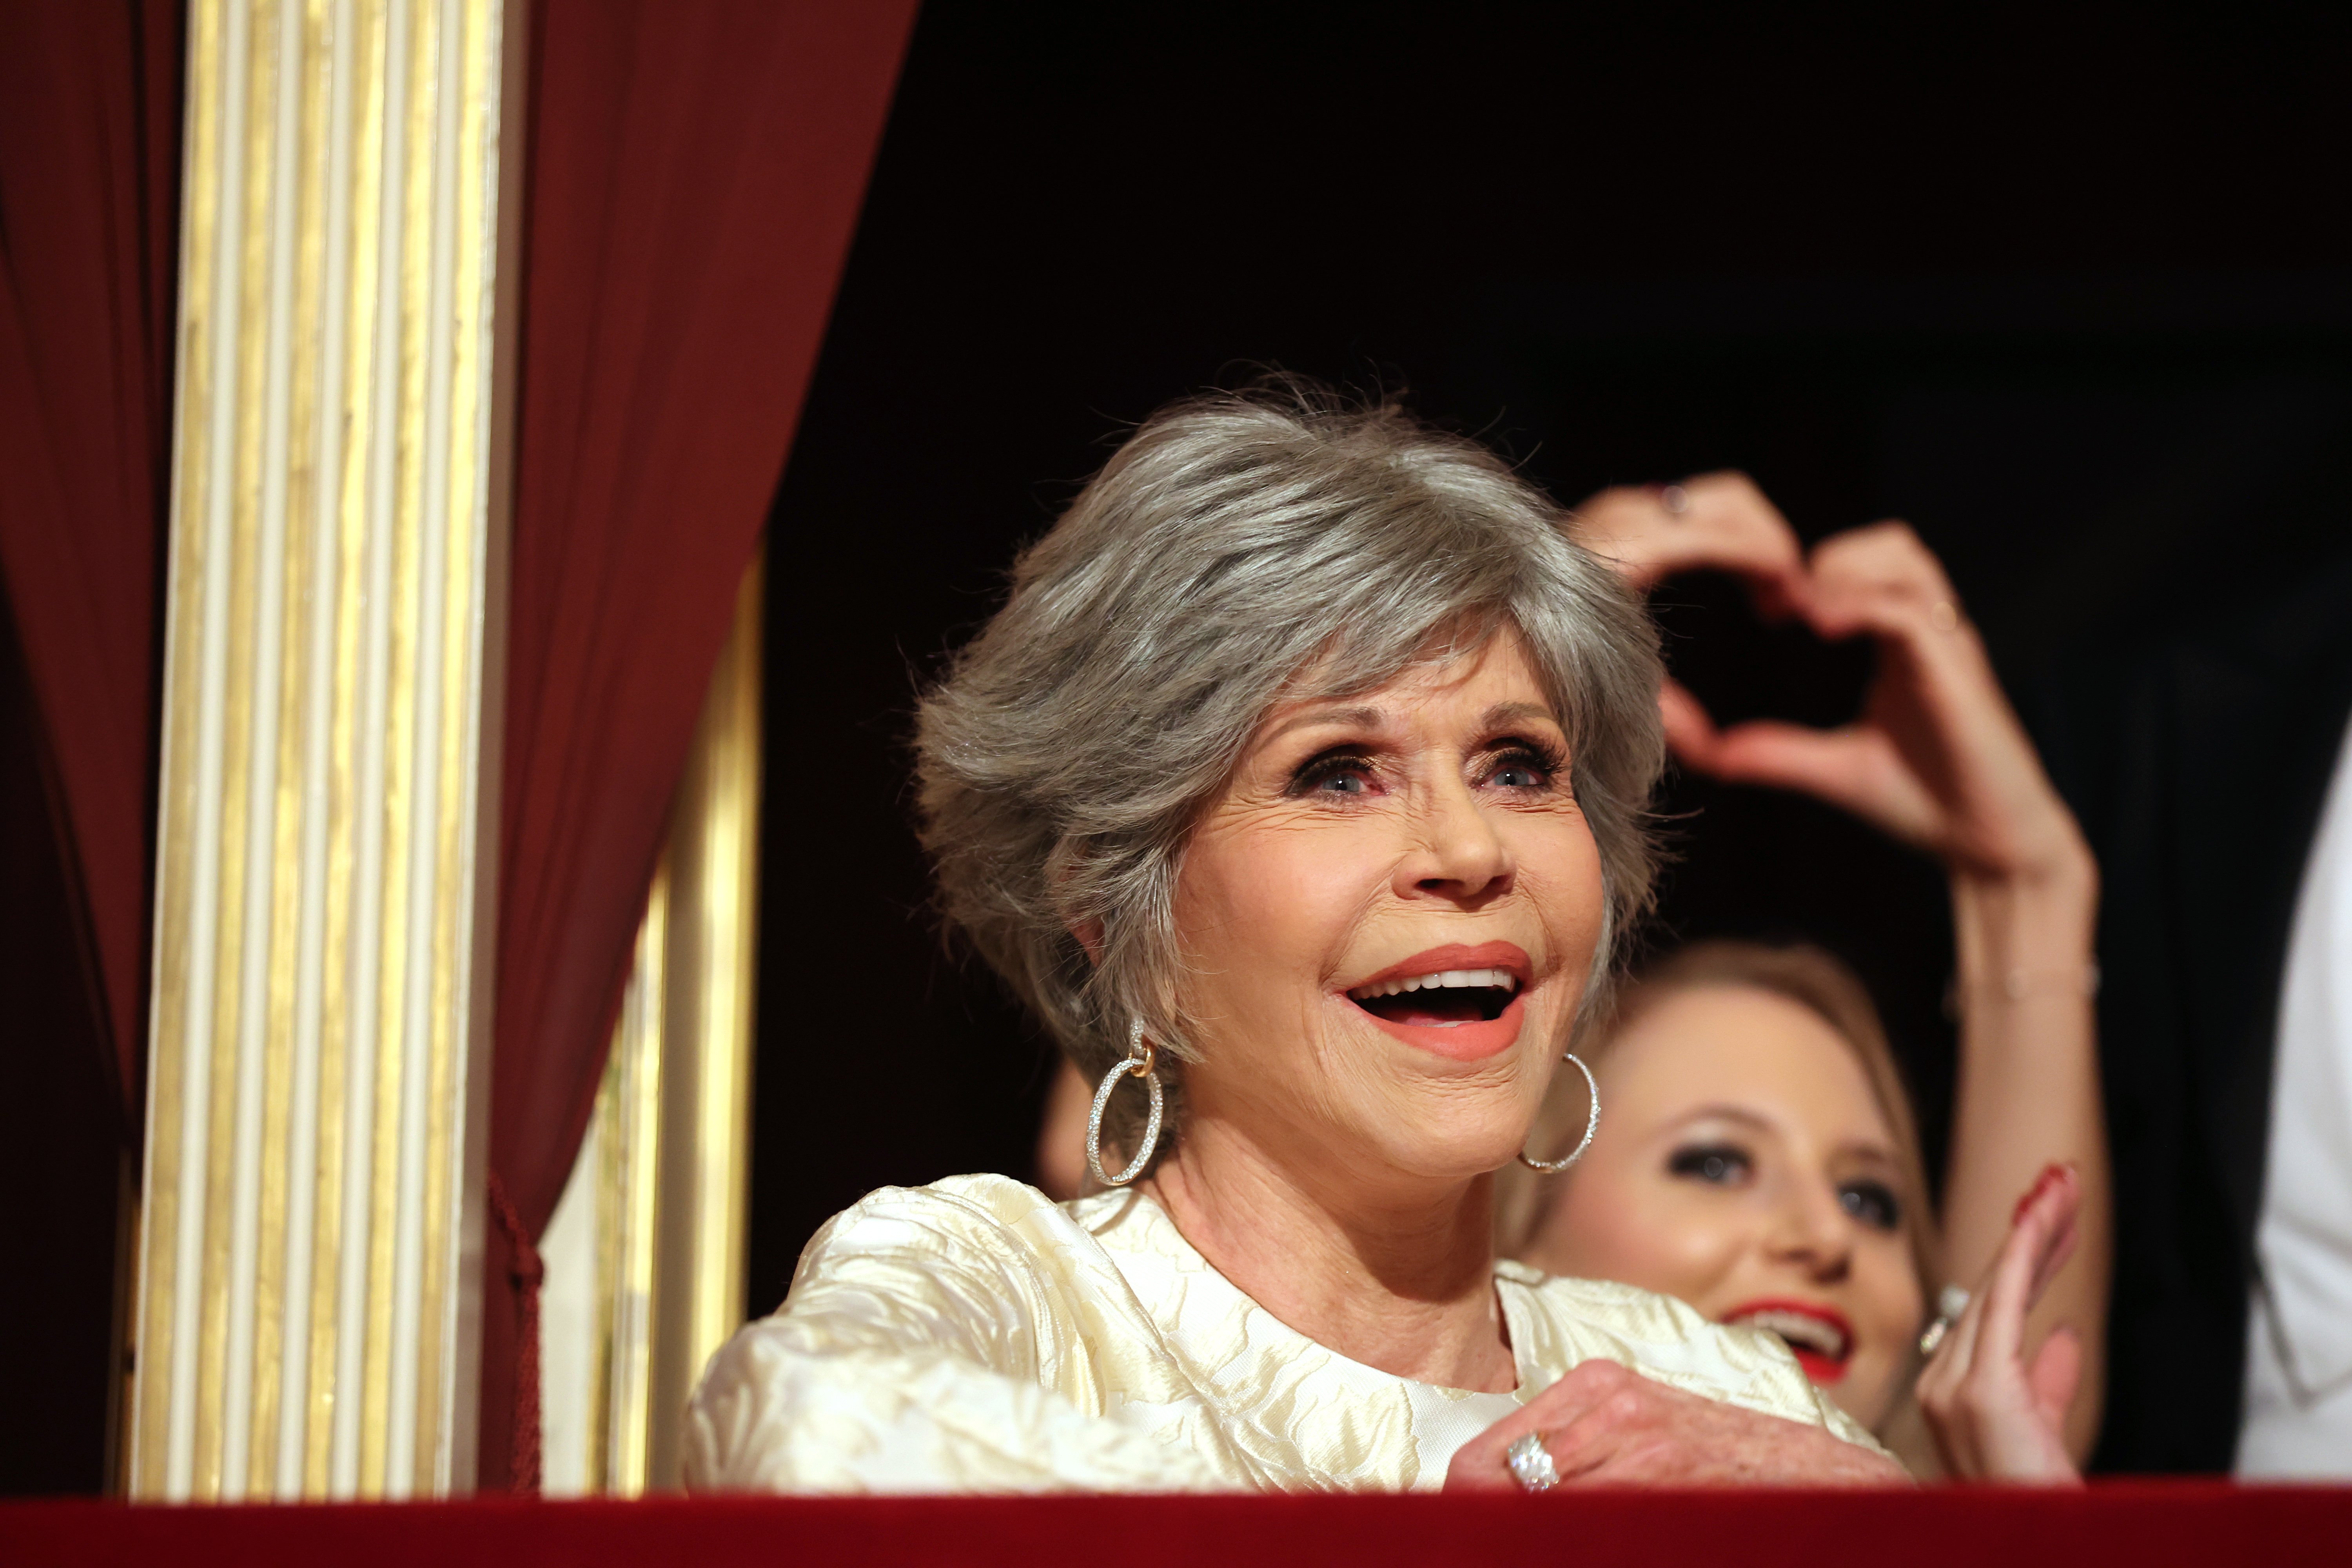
(1820, 1337)
(1457, 1001)
(1445, 1000)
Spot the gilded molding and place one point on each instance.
(654, 1223)
(331, 617)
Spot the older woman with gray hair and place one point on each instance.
(1299, 787)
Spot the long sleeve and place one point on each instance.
(927, 1345)
(973, 1336)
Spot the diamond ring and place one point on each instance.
(1950, 1304)
(1531, 1462)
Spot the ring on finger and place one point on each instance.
(1950, 1304)
(1530, 1461)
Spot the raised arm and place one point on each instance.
(1939, 760)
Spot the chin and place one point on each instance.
(1451, 1148)
(1866, 1395)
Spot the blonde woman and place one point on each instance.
(1758, 1157)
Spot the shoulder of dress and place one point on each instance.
(985, 1236)
(959, 1213)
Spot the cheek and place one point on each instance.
(1559, 872)
(1887, 1310)
(1616, 1221)
(1265, 912)
(1888, 1298)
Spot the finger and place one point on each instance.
(1856, 768)
(1690, 728)
(1723, 523)
(1586, 1384)
(1882, 580)
(1572, 1415)
(1883, 558)
(2010, 1294)
(1755, 537)
(2055, 1375)
(1955, 1357)
(2056, 1196)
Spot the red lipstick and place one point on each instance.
(1820, 1336)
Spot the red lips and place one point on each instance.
(1468, 1039)
(1820, 1336)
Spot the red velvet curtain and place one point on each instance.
(695, 174)
(89, 135)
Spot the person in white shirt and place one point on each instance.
(2207, 765)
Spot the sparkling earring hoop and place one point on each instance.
(1142, 1056)
(1592, 1123)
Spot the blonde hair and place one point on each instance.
(1805, 974)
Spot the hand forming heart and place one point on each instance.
(1937, 758)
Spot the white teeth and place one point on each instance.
(1799, 1328)
(1451, 979)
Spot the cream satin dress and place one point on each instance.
(974, 1336)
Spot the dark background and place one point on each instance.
(2066, 289)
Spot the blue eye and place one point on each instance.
(1872, 1203)
(1343, 772)
(1524, 764)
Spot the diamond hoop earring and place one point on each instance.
(1142, 1056)
(1592, 1123)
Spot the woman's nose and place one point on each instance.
(1461, 856)
(1812, 1230)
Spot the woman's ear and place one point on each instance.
(1090, 937)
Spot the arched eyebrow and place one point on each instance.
(1358, 716)
(1369, 716)
(1862, 1149)
(1503, 715)
(1727, 1112)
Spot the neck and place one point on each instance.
(1398, 1276)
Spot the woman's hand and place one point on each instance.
(1938, 758)
(1994, 1415)
(1606, 1426)
(1718, 523)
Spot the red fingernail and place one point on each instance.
(2051, 1173)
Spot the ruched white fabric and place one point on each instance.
(973, 1336)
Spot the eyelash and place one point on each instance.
(1539, 756)
(1853, 1197)
(1871, 1204)
(1695, 1160)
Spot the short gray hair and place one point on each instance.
(1233, 543)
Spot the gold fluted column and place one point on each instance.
(308, 1291)
(645, 1254)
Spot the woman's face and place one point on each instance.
(1743, 1165)
(1387, 922)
